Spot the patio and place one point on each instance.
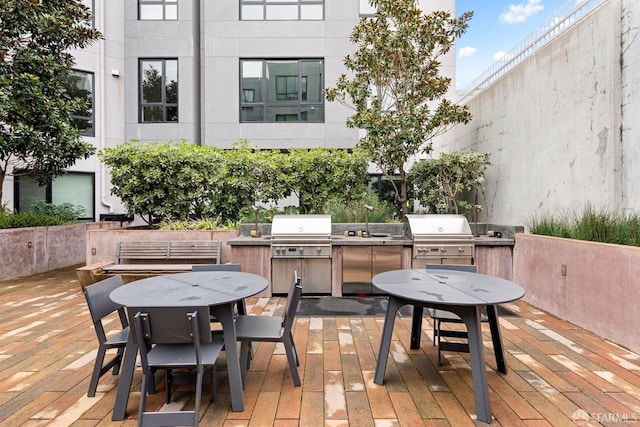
(558, 374)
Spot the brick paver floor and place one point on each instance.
(558, 375)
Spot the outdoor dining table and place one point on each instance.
(220, 290)
(460, 292)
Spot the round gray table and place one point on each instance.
(459, 292)
(220, 290)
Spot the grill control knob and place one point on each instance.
(301, 250)
(443, 250)
(319, 251)
(460, 250)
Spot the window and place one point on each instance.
(158, 90)
(366, 9)
(279, 90)
(75, 188)
(80, 86)
(276, 10)
(89, 5)
(158, 10)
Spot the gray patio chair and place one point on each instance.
(271, 329)
(174, 338)
(101, 306)
(441, 316)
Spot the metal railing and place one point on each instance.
(562, 20)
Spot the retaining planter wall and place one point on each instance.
(33, 250)
(593, 285)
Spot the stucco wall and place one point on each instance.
(599, 291)
(33, 250)
(559, 125)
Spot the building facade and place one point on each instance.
(209, 72)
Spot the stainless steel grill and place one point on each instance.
(440, 239)
(302, 243)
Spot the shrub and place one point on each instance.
(66, 211)
(28, 219)
(354, 211)
(597, 226)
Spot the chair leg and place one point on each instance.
(436, 327)
(295, 351)
(118, 361)
(439, 346)
(97, 371)
(293, 367)
(168, 383)
(244, 360)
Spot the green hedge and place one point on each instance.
(181, 181)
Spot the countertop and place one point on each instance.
(367, 241)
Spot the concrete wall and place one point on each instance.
(559, 126)
(599, 291)
(26, 251)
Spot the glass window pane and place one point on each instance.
(311, 12)
(252, 79)
(152, 114)
(281, 114)
(251, 114)
(366, 8)
(171, 78)
(151, 81)
(252, 12)
(312, 114)
(172, 114)
(283, 12)
(281, 1)
(151, 11)
(171, 12)
(312, 71)
(278, 70)
(76, 189)
(29, 192)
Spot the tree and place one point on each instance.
(395, 87)
(440, 184)
(38, 134)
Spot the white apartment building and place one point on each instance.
(209, 72)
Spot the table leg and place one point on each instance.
(224, 313)
(416, 326)
(124, 382)
(492, 314)
(385, 342)
(471, 316)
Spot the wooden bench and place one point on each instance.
(150, 257)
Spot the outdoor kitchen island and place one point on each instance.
(492, 255)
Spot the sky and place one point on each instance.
(497, 27)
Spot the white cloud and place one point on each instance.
(499, 55)
(466, 51)
(519, 13)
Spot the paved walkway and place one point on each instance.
(558, 374)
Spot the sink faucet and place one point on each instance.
(255, 210)
(367, 209)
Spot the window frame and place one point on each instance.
(162, 3)
(163, 103)
(267, 3)
(300, 102)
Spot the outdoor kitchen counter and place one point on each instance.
(354, 240)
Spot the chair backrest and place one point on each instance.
(458, 267)
(170, 325)
(215, 267)
(100, 304)
(292, 304)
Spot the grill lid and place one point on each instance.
(437, 226)
(301, 226)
